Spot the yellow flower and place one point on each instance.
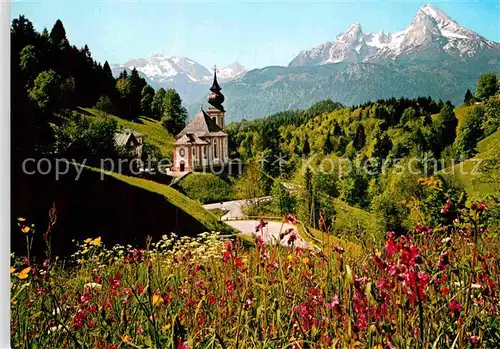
(85, 251)
(305, 260)
(378, 347)
(23, 274)
(292, 339)
(12, 269)
(25, 229)
(21, 219)
(290, 257)
(96, 241)
(378, 253)
(126, 338)
(87, 240)
(157, 300)
(166, 327)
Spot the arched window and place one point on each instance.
(181, 152)
(215, 148)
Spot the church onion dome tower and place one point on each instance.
(215, 97)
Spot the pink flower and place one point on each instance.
(334, 304)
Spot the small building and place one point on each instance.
(203, 142)
(130, 141)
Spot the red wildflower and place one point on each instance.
(181, 344)
(226, 256)
(78, 318)
(115, 282)
(291, 218)
(167, 299)
(238, 263)
(444, 290)
(261, 225)
(230, 287)
(446, 207)
(455, 308)
(390, 247)
(90, 324)
(211, 299)
(482, 206)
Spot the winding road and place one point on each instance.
(236, 219)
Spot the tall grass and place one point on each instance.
(432, 288)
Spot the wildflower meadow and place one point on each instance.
(430, 288)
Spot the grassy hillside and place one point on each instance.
(480, 174)
(176, 198)
(154, 132)
(120, 209)
(355, 221)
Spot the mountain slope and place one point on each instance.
(188, 77)
(262, 92)
(431, 35)
(434, 56)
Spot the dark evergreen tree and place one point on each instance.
(58, 33)
(306, 148)
(468, 97)
(327, 145)
(359, 137)
(147, 95)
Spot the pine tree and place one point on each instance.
(123, 74)
(147, 95)
(107, 69)
(359, 137)
(327, 145)
(58, 33)
(306, 148)
(468, 97)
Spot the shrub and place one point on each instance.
(206, 188)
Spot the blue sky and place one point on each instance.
(256, 34)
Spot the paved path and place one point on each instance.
(234, 207)
(270, 233)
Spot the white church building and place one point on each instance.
(203, 142)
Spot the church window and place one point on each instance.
(215, 148)
(181, 152)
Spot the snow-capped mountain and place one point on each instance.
(187, 76)
(230, 71)
(431, 35)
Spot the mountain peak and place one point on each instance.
(438, 15)
(431, 35)
(353, 34)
